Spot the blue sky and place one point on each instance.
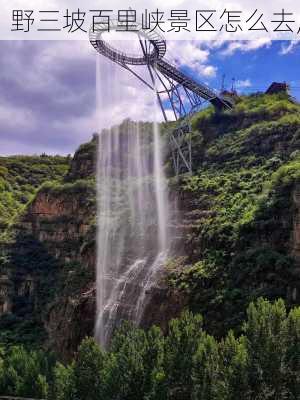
(48, 89)
(253, 69)
(260, 68)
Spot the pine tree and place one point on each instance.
(180, 347)
(234, 361)
(88, 371)
(266, 346)
(129, 376)
(63, 383)
(154, 361)
(207, 377)
(292, 329)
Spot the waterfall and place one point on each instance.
(132, 239)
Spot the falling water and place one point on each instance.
(133, 211)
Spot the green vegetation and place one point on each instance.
(25, 373)
(33, 276)
(36, 278)
(38, 284)
(21, 176)
(240, 209)
(185, 364)
(24, 259)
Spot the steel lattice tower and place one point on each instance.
(175, 90)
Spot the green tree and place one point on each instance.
(88, 371)
(63, 384)
(180, 346)
(23, 375)
(266, 345)
(234, 365)
(154, 361)
(40, 387)
(207, 377)
(129, 374)
(292, 330)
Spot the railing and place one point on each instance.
(173, 72)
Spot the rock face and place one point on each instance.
(50, 219)
(83, 164)
(50, 267)
(63, 219)
(70, 319)
(63, 222)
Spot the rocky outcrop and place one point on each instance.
(63, 220)
(83, 164)
(164, 304)
(59, 219)
(70, 319)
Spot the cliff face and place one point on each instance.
(63, 219)
(48, 263)
(235, 228)
(50, 219)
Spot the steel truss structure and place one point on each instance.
(176, 92)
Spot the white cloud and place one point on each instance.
(289, 48)
(241, 84)
(188, 52)
(208, 71)
(194, 54)
(170, 114)
(245, 46)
